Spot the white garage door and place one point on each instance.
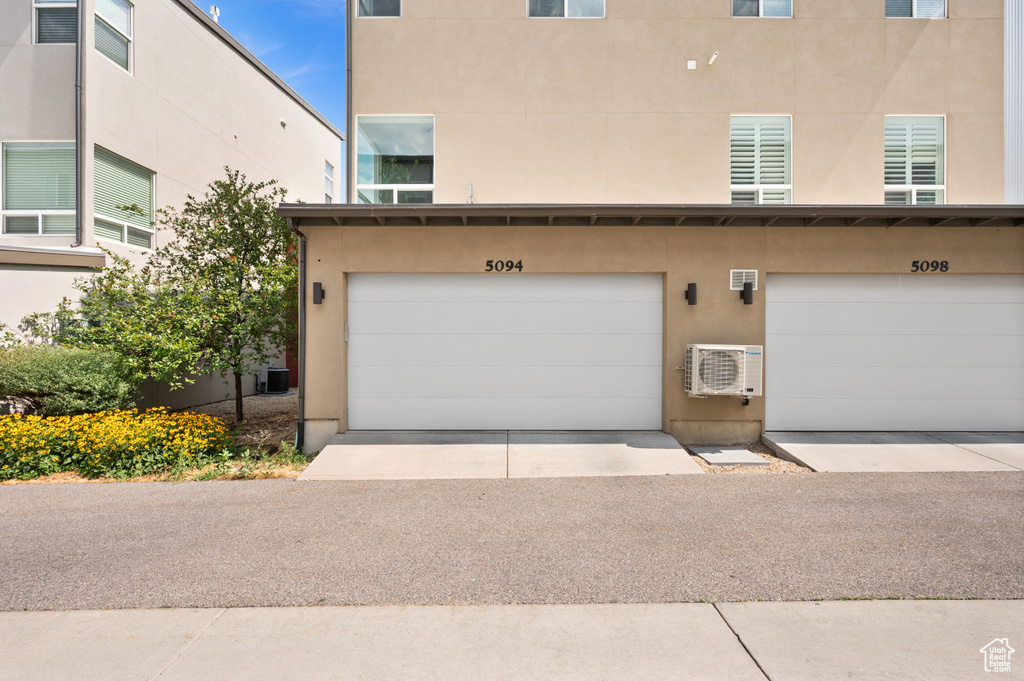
(879, 352)
(504, 352)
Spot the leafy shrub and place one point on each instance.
(110, 443)
(65, 381)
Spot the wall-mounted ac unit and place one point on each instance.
(723, 370)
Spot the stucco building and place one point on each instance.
(537, 184)
(155, 103)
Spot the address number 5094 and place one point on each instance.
(504, 266)
(930, 266)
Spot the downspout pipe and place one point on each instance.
(348, 101)
(79, 130)
(300, 434)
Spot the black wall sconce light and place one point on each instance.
(747, 294)
(318, 293)
(691, 294)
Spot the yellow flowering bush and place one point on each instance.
(109, 443)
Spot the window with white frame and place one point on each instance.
(114, 31)
(762, 8)
(915, 163)
(395, 159)
(379, 8)
(56, 21)
(760, 159)
(122, 200)
(328, 183)
(38, 188)
(567, 8)
(922, 9)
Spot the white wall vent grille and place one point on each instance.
(737, 278)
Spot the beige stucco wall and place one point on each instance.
(605, 110)
(684, 254)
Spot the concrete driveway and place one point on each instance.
(381, 455)
(893, 452)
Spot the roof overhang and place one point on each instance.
(52, 257)
(427, 215)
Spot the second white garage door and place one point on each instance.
(505, 352)
(894, 352)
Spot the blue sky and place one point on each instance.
(302, 41)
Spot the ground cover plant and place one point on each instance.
(199, 444)
(120, 444)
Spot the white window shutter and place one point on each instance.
(773, 165)
(743, 150)
(897, 151)
(926, 151)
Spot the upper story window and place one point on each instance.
(395, 159)
(122, 200)
(762, 8)
(38, 187)
(567, 8)
(924, 9)
(915, 160)
(114, 31)
(379, 8)
(328, 183)
(56, 21)
(760, 159)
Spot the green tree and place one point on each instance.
(139, 314)
(233, 263)
(220, 296)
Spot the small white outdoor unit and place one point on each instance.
(723, 370)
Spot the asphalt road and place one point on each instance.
(572, 540)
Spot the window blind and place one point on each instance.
(899, 8)
(119, 182)
(760, 150)
(777, 8)
(914, 150)
(114, 30)
(117, 13)
(56, 25)
(744, 8)
(380, 8)
(931, 9)
(111, 44)
(39, 176)
(926, 9)
(547, 8)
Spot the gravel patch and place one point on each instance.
(269, 419)
(777, 466)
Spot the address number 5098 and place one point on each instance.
(930, 266)
(503, 266)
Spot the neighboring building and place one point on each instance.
(602, 143)
(168, 99)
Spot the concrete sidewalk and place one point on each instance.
(898, 452)
(436, 455)
(927, 640)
